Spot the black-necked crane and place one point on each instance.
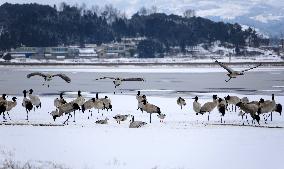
(233, 73)
(269, 106)
(117, 81)
(208, 107)
(181, 102)
(27, 104)
(150, 108)
(48, 77)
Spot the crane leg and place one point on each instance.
(74, 117)
(67, 118)
(9, 115)
(228, 79)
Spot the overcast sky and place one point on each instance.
(226, 8)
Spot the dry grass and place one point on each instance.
(9, 162)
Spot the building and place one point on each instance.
(45, 52)
(24, 52)
(87, 53)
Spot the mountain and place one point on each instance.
(268, 19)
(267, 16)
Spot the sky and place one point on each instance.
(224, 8)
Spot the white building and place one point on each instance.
(87, 53)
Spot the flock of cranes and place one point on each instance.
(62, 107)
(117, 81)
(253, 108)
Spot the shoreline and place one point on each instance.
(142, 64)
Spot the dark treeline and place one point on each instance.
(41, 25)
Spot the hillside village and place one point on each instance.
(127, 48)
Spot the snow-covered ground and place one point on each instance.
(183, 141)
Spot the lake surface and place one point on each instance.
(161, 81)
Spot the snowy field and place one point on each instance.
(183, 141)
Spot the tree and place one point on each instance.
(150, 49)
(189, 13)
(143, 11)
(7, 57)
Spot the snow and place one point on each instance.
(267, 57)
(183, 141)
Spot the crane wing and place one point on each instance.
(36, 74)
(106, 78)
(63, 76)
(132, 79)
(251, 68)
(224, 66)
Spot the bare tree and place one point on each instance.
(143, 11)
(153, 9)
(189, 13)
(110, 13)
(96, 9)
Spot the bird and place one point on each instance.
(150, 108)
(161, 117)
(3, 106)
(27, 103)
(232, 73)
(221, 106)
(88, 105)
(59, 101)
(233, 100)
(117, 81)
(80, 100)
(120, 117)
(107, 103)
(10, 105)
(181, 102)
(102, 121)
(269, 106)
(245, 100)
(3, 97)
(136, 124)
(34, 99)
(208, 107)
(196, 105)
(250, 109)
(139, 99)
(49, 77)
(66, 108)
(99, 104)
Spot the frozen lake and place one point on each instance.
(163, 81)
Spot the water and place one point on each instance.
(164, 83)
